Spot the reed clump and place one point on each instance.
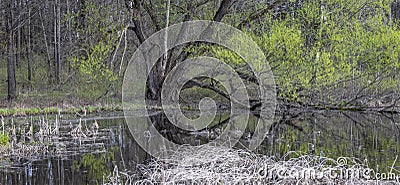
(44, 138)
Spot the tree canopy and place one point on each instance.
(331, 54)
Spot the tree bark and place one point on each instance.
(57, 41)
(18, 44)
(69, 35)
(258, 14)
(82, 14)
(11, 81)
(46, 46)
(28, 48)
(156, 77)
(222, 10)
(395, 12)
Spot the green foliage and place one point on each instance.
(34, 111)
(319, 45)
(93, 65)
(101, 36)
(283, 45)
(3, 139)
(4, 112)
(50, 110)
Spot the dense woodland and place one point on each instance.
(62, 59)
(330, 54)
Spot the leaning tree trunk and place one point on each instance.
(159, 71)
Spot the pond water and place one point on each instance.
(89, 150)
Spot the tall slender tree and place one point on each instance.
(11, 80)
(57, 40)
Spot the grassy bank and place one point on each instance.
(20, 111)
(53, 103)
(78, 103)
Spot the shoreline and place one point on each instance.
(20, 109)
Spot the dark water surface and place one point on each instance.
(88, 150)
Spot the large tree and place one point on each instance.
(147, 17)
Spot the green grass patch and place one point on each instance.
(55, 110)
(3, 139)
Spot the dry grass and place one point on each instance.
(212, 165)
